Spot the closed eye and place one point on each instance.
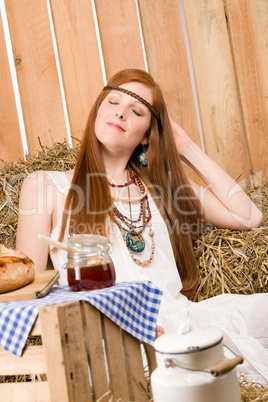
(136, 113)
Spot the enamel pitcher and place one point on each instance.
(191, 367)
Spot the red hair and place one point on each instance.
(164, 176)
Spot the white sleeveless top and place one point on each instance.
(242, 319)
(162, 271)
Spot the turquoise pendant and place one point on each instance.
(135, 242)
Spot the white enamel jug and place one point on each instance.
(191, 367)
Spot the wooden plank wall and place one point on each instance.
(224, 109)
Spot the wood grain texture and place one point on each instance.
(115, 359)
(75, 356)
(79, 59)
(248, 31)
(151, 357)
(37, 73)
(220, 62)
(134, 368)
(25, 392)
(10, 137)
(167, 60)
(52, 332)
(36, 328)
(216, 86)
(95, 349)
(120, 37)
(32, 361)
(42, 283)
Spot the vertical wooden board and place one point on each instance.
(167, 61)
(75, 356)
(260, 23)
(248, 31)
(51, 338)
(134, 368)
(215, 82)
(94, 346)
(10, 136)
(115, 359)
(151, 357)
(37, 73)
(79, 59)
(120, 36)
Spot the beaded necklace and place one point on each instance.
(133, 238)
(121, 185)
(130, 222)
(143, 190)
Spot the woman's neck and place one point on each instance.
(116, 173)
(116, 168)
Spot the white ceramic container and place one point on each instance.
(191, 367)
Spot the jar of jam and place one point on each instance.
(89, 263)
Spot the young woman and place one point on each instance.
(112, 192)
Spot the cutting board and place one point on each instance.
(40, 286)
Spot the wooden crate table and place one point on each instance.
(84, 354)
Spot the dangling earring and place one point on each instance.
(143, 158)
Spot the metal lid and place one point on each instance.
(189, 341)
(88, 243)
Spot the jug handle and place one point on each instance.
(226, 366)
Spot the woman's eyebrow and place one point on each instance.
(114, 92)
(136, 96)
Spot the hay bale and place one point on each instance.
(58, 157)
(229, 261)
(251, 392)
(234, 261)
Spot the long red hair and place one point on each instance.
(89, 200)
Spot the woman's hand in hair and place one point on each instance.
(182, 140)
(224, 203)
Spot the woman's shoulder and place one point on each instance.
(41, 185)
(33, 178)
(33, 189)
(43, 176)
(39, 181)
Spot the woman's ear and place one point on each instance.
(145, 141)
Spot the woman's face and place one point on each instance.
(122, 121)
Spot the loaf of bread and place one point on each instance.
(16, 269)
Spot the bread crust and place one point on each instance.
(16, 269)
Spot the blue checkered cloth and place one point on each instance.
(133, 306)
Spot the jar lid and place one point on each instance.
(189, 341)
(88, 243)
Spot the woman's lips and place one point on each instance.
(115, 126)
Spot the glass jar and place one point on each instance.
(89, 263)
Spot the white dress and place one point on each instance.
(242, 319)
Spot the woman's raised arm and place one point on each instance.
(35, 217)
(224, 202)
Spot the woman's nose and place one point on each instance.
(121, 115)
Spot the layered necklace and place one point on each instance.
(132, 229)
